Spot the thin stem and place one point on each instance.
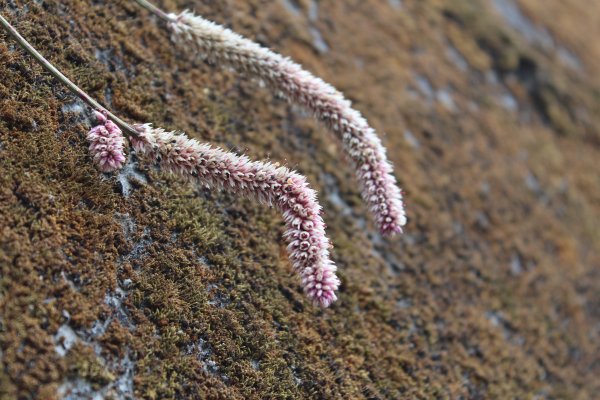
(128, 129)
(156, 11)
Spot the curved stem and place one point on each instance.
(128, 129)
(156, 11)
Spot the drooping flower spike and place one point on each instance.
(106, 144)
(361, 144)
(308, 246)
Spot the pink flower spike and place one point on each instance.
(361, 144)
(106, 144)
(308, 246)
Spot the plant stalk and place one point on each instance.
(156, 11)
(127, 129)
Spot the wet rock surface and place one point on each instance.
(137, 285)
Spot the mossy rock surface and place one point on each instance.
(138, 285)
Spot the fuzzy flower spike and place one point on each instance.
(106, 144)
(220, 45)
(308, 246)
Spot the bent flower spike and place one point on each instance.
(308, 246)
(361, 144)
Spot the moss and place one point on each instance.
(514, 58)
(194, 219)
(84, 364)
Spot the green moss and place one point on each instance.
(84, 364)
(195, 220)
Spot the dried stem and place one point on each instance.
(156, 11)
(63, 79)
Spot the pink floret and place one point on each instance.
(107, 145)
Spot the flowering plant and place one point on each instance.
(308, 246)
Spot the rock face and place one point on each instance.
(139, 285)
